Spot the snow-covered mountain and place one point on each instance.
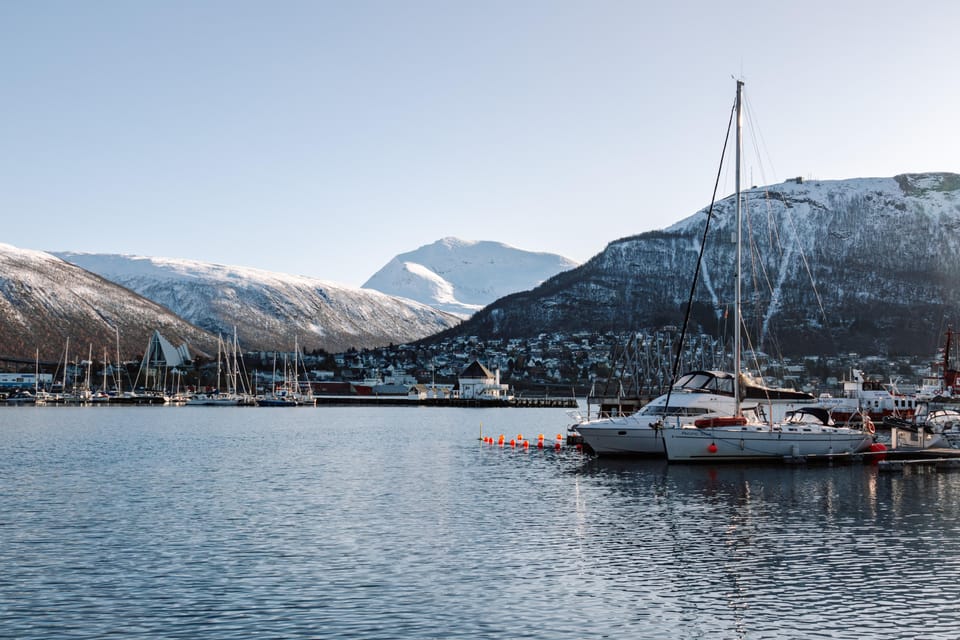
(462, 277)
(44, 301)
(867, 265)
(269, 310)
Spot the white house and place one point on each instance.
(477, 383)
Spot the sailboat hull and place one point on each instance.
(760, 443)
(277, 402)
(216, 400)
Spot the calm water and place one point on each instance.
(397, 523)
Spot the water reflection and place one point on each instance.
(775, 551)
(399, 524)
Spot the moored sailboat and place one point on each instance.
(231, 397)
(744, 435)
(288, 393)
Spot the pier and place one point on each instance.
(528, 402)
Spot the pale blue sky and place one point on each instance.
(323, 138)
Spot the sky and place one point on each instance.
(323, 138)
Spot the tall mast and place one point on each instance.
(119, 375)
(89, 364)
(66, 363)
(737, 311)
(236, 363)
(236, 367)
(296, 368)
(219, 344)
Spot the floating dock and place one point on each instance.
(939, 459)
(889, 459)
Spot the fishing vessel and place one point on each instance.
(861, 395)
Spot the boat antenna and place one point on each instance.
(696, 274)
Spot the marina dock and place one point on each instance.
(939, 459)
(889, 459)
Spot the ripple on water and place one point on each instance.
(397, 523)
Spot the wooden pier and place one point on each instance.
(541, 402)
(528, 402)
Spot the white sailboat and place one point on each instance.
(285, 394)
(743, 437)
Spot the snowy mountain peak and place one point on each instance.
(451, 242)
(11, 252)
(462, 276)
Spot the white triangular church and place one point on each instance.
(161, 353)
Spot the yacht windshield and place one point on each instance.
(705, 382)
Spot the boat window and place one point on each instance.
(724, 385)
(682, 381)
(705, 382)
(694, 381)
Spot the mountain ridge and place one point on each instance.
(879, 251)
(865, 242)
(45, 301)
(268, 310)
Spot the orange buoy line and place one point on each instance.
(523, 443)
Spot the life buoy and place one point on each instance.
(868, 425)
